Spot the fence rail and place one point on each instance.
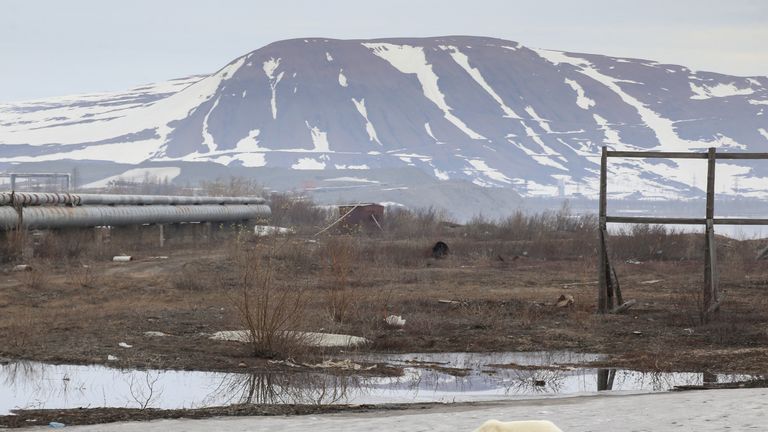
(609, 297)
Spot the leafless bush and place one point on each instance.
(271, 314)
(419, 223)
(35, 276)
(82, 275)
(298, 212)
(340, 298)
(232, 186)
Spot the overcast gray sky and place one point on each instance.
(55, 47)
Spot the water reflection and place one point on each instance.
(444, 377)
(281, 388)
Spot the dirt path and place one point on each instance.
(701, 411)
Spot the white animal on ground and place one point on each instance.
(518, 426)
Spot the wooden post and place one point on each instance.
(709, 293)
(603, 277)
(161, 228)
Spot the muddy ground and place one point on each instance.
(482, 297)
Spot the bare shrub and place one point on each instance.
(232, 186)
(189, 278)
(35, 276)
(82, 275)
(271, 314)
(340, 298)
(298, 212)
(418, 223)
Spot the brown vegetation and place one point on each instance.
(496, 290)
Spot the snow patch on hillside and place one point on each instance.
(270, 66)
(718, 90)
(412, 60)
(360, 105)
(308, 164)
(319, 139)
(462, 60)
(763, 132)
(489, 172)
(208, 139)
(581, 100)
(343, 79)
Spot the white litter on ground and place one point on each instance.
(124, 345)
(266, 230)
(155, 334)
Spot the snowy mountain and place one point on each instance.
(394, 114)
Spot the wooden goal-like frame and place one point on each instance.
(609, 298)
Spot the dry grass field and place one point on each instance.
(495, 291)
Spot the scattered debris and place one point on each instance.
(565, 300)
(124, 345)
(651, 282)
(122, 258)
(341, 364)
(637, 333)
(688, 331)
(575, 284)
(623, 307)
(110, 357)
(22, 267)
(161, 257)
(395, 321)
(242, 365)
(446, 301)
(155, 334)
(633, 261)
(267, 230)
(440, 250)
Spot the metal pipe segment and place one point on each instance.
(89, 216)
(37, 199)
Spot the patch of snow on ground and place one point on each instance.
(489, 172)
(544, 124)
(462, 60)
(270, 66)
(360, 105)
(581, 100)
(441, 175)
(308, 164)
(328, 56)
(718, 90)
(352, 180)
(352, 167)
(343, 79)
(763, 132)
(412, 60)
(319, 138)
(611, 136)
(428, 128)
(138, 175)
(663, 128)
(208, 140)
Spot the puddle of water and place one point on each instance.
(441, 377)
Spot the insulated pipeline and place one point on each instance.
(101, 215)
(39, 198)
